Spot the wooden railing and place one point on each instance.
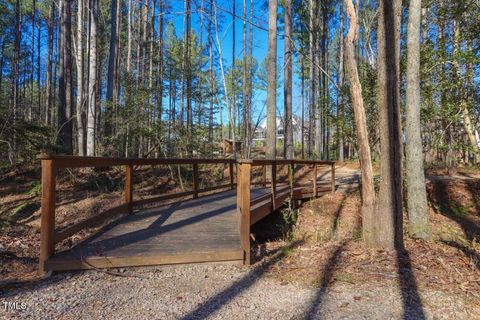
(265, 204)
(52, 163)
(270, 202)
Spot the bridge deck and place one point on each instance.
(198, 230)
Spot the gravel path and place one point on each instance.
(218, 292)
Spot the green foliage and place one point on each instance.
(36, 189)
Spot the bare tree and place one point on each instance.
(80, 91)
(418, 223)
(389, 215)
(112, 58)
(340, 99)
(271, 138)
(368, 190)
(287, 93)
(92, 79)
(65, 107)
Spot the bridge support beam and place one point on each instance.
(47, 227)
(243, 206)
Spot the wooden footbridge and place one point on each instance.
(203, 225)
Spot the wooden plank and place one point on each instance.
(130, 261)
(63, 161)
(47, 220)
(162, 198)
(260, 211)
(128, 187)
(122, 209)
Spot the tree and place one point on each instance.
(271, 139)
(80, 91)
(368, 190)
(112, 58)
(287, 92)
(65, 107)
(418, 223)
(92, 79)
(389, 215)
(340, 98)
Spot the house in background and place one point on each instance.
(260, 134)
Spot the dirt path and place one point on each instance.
(220, 292)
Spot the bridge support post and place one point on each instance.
(47, 227)
(128, 188)
(195, 180)
(243, 206)
(315, 181)
(274, 185)
(231, 175)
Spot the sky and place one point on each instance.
(260, 37)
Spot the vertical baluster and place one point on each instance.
(128, 188)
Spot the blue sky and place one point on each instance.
(260, 37)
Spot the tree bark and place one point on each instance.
(271, 138)
(287, 93)
(311, 113)
(418, 222)
(49, 93)
(92, 79)
(80, 94)
(65, 79)
(389, 215)
(112, 58)
(340, 104)
(368, 191)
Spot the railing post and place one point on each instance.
(243, 206)
(128, 188)
(231, 175)
(47, 227)
(274, 184)
(315, 180)
(333, 177)
(264, 176)
(291, 174)
(195, 180)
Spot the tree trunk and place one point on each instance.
(80, 91)
(246, 114)
(112, 57)
(188, 70)
(287, 93)
(389, 215)
(92, 79)
(65, 79)
(312, 108)
(271, 138)
(418, 223)
(15, 77)
(210, 74)
(368, 190)
(129, 36)
(340, 105)
(48, 98)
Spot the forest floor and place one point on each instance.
(318, 267)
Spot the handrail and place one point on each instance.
(51, 163)
(244, 203)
